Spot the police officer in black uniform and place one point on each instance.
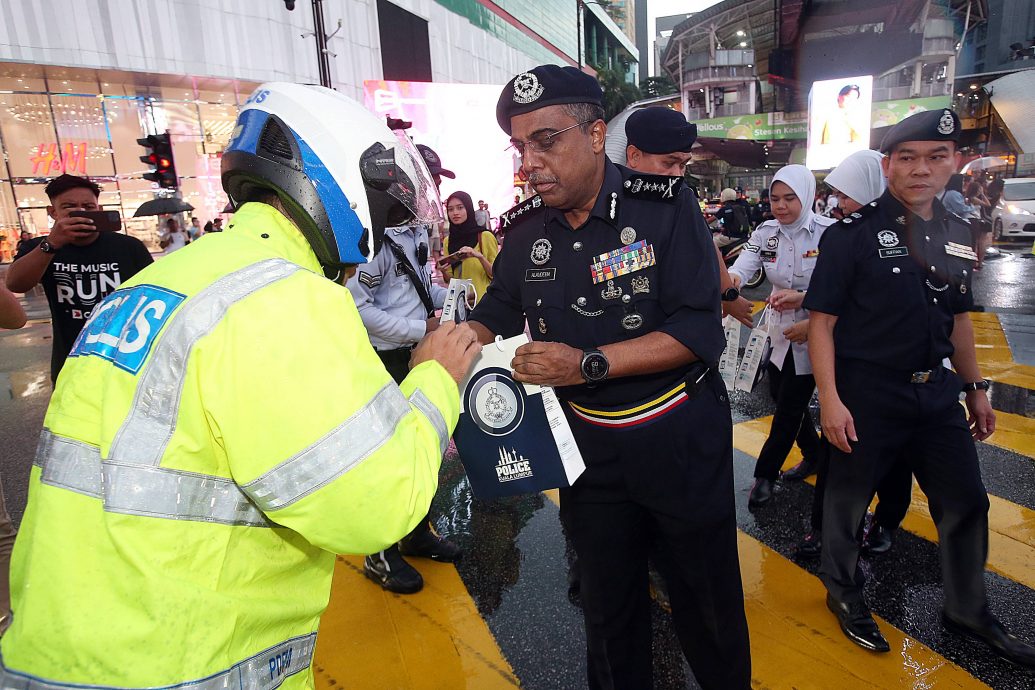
(615, 274)
(888, 302)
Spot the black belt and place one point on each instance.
(933, 375)
(399, 354)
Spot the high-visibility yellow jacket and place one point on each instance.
(221, 430)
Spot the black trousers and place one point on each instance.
(664, 488)
(894, 492)
(792, 420)
(925, 425)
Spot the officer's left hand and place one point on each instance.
(982, 417)
(548, 364)
(740, 309)
(798, 333)
(782, 300)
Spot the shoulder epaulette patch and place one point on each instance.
(657, 187)
(526, 206)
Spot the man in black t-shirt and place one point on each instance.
(77, 264)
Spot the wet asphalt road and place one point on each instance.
(505, 540)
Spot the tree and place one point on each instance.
(653, 87)
(618, 93)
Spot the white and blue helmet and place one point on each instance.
(341, 173)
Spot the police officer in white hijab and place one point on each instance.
(786, 247)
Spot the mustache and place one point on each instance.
(536, 178)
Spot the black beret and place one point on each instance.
(542, 86)
(932, 125)
(660, 130)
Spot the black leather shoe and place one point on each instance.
(876, 539)
(388, 569)
(811, 545)
(761, 492)
(858, 625)
(425, 542)
(802, 471)
(991, 632)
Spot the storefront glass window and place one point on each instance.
(29, 137)
(83, 135)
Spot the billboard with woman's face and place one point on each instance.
(839, 120)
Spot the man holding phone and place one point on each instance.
(81, 261)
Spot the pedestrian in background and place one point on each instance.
(787, 248)
(470, 249)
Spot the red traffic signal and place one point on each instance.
(160, 155)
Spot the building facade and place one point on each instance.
(82, 80)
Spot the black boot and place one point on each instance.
(876, 539)
(990, 631)
(802, 471)
(425, 542)
(811, 545)
(858, 625)
(392, 572)
(761, 492)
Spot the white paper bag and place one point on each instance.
(756, 355)
(729, 363)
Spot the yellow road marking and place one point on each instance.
(433, 639)
(796, 642)
(1011, 528)
(994, 355)
(1014, 433)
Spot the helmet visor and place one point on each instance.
(413, 186)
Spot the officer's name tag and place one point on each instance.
(124, 326)
(622, 261)
(893, 252)
(539, 274)
(768, 256)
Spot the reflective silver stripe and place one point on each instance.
(69, 464)
(428, 409)
(167, 493)
(136, 490)
(143, 436)
(264, 671)
(333, 455)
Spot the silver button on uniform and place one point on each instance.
(581, 301)
(577, 246)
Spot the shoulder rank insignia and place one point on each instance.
(526, 206)
(370, 280)
(657, 187)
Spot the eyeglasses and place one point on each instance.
(543, 142)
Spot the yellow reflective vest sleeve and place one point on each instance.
(220, 428)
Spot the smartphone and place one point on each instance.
(449, 258)
(104, 221)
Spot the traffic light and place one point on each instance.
(160, 155)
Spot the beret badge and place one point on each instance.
(527, 88)
(945, 124)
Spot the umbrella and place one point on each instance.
(984, 163)
(157, 207)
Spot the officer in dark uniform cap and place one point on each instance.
(889, 300)
(613, 271)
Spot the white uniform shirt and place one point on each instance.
(788, 259)
(388, 303)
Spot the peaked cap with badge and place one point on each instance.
(933, 125)
(542, 86)
(660, 130)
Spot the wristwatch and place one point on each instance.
(730, 294)
(594, 366)
(46, 247)
(981, 385)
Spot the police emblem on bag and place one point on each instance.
(527, 88)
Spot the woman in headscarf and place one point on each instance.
(856, 182)
(470, 250)
(786, 247)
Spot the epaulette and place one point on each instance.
(865, 212)
(653, 187)
(507, 218)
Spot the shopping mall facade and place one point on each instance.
(82, 80)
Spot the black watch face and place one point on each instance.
(594, 367)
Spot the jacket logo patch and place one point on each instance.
(124, 326)
(370, 280)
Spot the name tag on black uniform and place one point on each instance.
(895, 251)
(540, 274)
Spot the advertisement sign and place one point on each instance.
(761, 127)
(839, 120)
(887, 113)
(458, 121)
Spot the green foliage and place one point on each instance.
(618, 93)
(653, 87)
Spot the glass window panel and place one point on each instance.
(83, 135)
(217, 124)
(28, 133)
(72, 86)
(32, 208)
(145, 229)
(10, 231)
(126, 125)
(205, 192)
(19, 83)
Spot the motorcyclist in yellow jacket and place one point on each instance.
(222, 427)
